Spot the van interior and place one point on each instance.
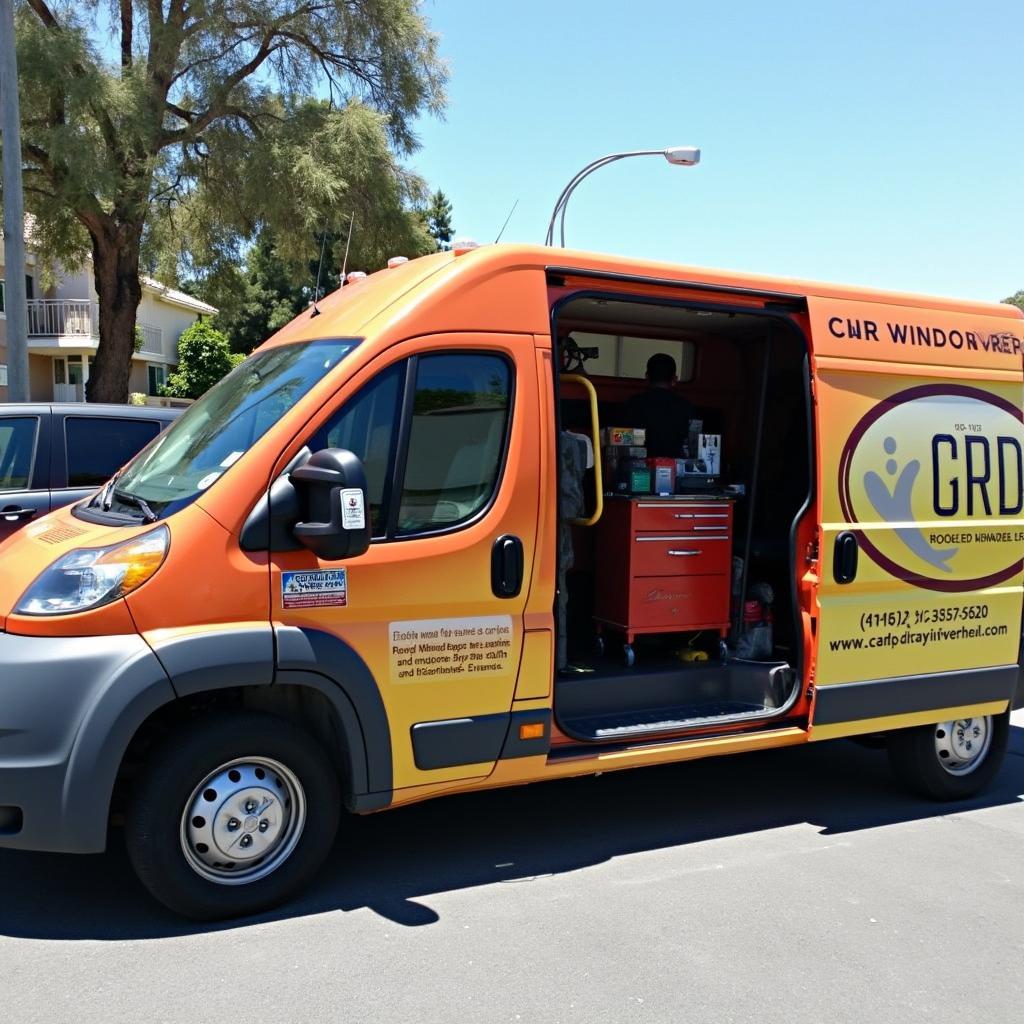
(744, 374)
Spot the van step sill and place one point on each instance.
(648, 721)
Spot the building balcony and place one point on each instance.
(57, 324)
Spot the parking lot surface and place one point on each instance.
(793, 885)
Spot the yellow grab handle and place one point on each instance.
(595, 427)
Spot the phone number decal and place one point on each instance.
(895, 618)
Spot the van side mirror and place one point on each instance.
(333, 520)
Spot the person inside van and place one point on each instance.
(663, 413)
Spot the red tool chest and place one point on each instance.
(663, 565)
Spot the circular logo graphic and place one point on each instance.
(934, 478)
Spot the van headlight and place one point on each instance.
(91, 577)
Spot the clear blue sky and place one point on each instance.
(865, 142)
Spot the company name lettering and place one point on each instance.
(967, 469)
(926, 337)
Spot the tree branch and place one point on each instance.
(44, 13)
(127, 30)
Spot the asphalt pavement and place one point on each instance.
(793, 885)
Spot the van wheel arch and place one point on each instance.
(312, 702)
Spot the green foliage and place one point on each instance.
(140, 338)
(1017, 299)
(137, 398)
(204, 356)
(439, 219)
(174, 133)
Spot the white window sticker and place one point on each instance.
(431, 650)
(207, 480)
(231, 459)
(353, 510)
(322, 588)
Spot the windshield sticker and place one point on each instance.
(231, 459)
(353, 511)
(207, 480)
(322, 588)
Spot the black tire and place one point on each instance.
(154, 821)
(915, 759)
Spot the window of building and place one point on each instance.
(157, 379)
(3, 375)
(29, 293)
(17, 447)
(97, 447)
(59, 372)
(456, 440)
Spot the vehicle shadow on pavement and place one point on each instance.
(388, 862)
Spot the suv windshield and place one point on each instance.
(219, 429)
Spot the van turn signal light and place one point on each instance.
(532, 731)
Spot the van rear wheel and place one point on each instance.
(232, 816)
(950, 760)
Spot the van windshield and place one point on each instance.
(219, 429)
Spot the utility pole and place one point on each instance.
(15, 305)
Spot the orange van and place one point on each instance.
(420, 542)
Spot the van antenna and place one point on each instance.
(348, 242)
(507, 219)
(320, 267)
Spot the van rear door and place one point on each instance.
(920, 440)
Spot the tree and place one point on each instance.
(204, 356)
(439, 219)
(204, 131)
(1017, 299)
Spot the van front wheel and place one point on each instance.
(950, 760)
(232, 815)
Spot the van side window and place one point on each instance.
(17, 443)
(97, 447)
(367, 426)
(460, 416)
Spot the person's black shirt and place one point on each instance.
(664, 415)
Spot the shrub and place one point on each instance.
(136, 398)
(204, 356)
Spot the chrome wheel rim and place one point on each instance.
(961, 745)
(243, 821)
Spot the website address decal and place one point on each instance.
(917, 638)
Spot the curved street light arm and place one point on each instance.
(577, 178)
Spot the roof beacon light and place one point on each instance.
(684, 156)
(397, 261)
(355, 275)
(461, 245)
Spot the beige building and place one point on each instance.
(63, 332)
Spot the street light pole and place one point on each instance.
(680, 156)
(14, 212)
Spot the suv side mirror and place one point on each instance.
(331, 487)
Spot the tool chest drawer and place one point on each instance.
(680, 554)
(665, 516)
(685, 602)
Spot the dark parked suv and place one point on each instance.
(52, 455)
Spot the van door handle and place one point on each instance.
(13, 514)
(844, 557)
(507, 566)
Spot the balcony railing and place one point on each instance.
(63, 318)
(80, 318)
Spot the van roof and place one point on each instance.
(347, 311)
